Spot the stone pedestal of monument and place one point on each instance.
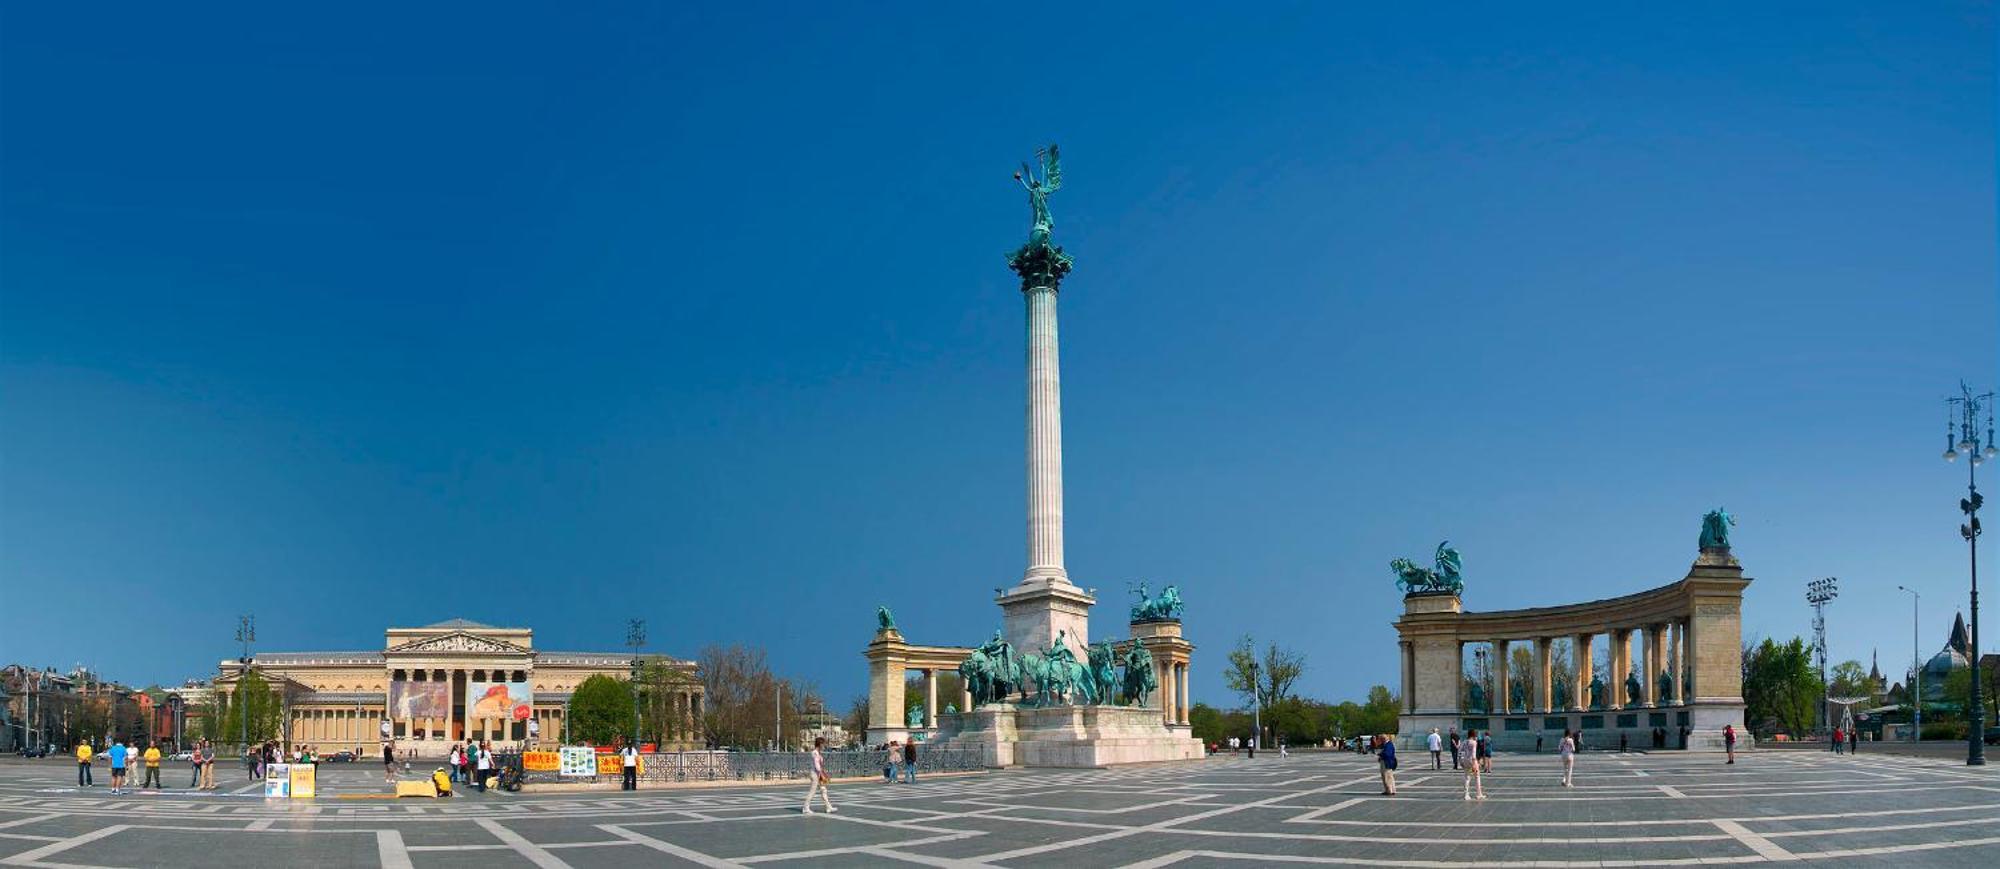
(1067, 736)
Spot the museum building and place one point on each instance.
(448, 682)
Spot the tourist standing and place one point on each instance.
(910, 762)
(1436, 744)
(118, 754)
(208, 765)
(1474, 786)
(485, 768)
(194, 765)
(1839, 739)
(83, 764)
(388, 762)
(890, 760)
(1538, 742)
(1486, 751)
(819, 779)
(1387, 758)
(629, 759)
(1452, 743)
(152, 759)
(1568, 752)
(1853, 740)
(1729, 741)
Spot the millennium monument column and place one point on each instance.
(1044, 605)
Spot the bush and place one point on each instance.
(1944, 730)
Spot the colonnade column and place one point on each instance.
(1621, 647)
(1542, 701)
(1580, 697)
(930, 698)
(1676, 664)
(1503, 691)
(1655, 645)
(1186, 707)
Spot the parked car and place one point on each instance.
(182, 755)
(342, 756)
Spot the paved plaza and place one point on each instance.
(1627, 809)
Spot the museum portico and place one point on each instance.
(447, 682)
(1685, 676)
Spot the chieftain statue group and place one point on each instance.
(996, 673)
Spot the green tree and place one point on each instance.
(1379, 714)
(1958, 695)
(600, 710)
(1205, 722)
(1849, 679)
(660, 686)
(1780, 686)
(856, 721)
(1265, 682)
(253, 697)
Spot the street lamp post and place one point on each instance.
(246, 633)
(1916, 670)
(1256, 707)
(635, 637)
(1962, 414)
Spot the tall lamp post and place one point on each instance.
(1256, 706)
(1962, 414)
(635, 637)
(1818, 593)
(1916, 670)
(246, 633)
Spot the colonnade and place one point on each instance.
(1663, 652)
(337, 728)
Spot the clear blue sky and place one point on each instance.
(379, 316)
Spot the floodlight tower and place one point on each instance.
(635, 638)
(1818, 593)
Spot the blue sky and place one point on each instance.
(699, 314)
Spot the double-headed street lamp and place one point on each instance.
(635, 637)
(1916, 670)
(1962, 420)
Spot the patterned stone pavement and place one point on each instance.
(1627, 810)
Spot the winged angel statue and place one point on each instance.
(1039, 190)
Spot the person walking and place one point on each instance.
(83, 753)
(628, 758)
(891, 760)
(1839, 739)
(1452, 743)
(1474, 785)
(1387, 758)
(118, 756)
(1853, 740)
(910, 762)
(388, 762)
(1486, 752)
(1729, 741)
(1567, 750)
(151, 757)
(1538, 742)
(819, 779)
(1436, 745)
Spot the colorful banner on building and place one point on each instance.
(419, 700)
(503, 701)
(541, 761)
(578, 760)
(305, 779)
(278, 780)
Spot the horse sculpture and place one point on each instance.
(1166, 607)
(1140, 680)
(1103, 679)
(1442, 576)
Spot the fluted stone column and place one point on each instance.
(1544, 699)
(1045, 492)
(1044, 605)
(1675, 661)
(1503, 693)
(1580, 698)
(930, 698)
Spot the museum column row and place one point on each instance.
(336, 728)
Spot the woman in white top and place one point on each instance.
(819, 779)
(1568, 751)
(1468, 747)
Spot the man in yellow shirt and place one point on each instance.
(83, 764)
(152, 757)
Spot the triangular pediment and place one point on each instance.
(459, 643)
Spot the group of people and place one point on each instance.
(1473, 753)
(902, 759)
(145, 757)
(471, 763)
(1849, 738)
